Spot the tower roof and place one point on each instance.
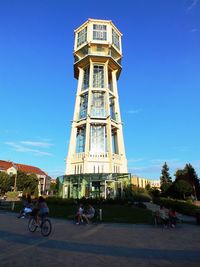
(98, 21)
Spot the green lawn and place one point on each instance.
(111, 213)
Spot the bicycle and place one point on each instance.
(44, 224)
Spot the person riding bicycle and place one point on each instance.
(27, 206)
(40, 209)
(39, 217)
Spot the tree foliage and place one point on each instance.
(189, 175)
(27, 182)
(6, 182)
(182, 188)
(165, 176)
(165, 180)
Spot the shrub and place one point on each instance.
(142, 197)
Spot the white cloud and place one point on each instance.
(24, 149)
(36, 144)
(134, 111)
(192, 5)
(135, 160)
(162, 161)
(194, 30)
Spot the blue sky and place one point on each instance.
(159, 86)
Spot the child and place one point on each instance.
(79, 214)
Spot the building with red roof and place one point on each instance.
(11, 168)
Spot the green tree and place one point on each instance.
(165, 179)
(189, 175)
(165, 188)
(6, 182)
(148, 187)
(165, 176)
(27, 182)
(182, 188)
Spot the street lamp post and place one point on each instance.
(15, 182)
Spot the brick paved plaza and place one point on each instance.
(97, 245)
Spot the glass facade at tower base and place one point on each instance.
(99, 185)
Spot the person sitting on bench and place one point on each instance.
(90, 214)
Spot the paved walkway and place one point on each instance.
(102, 245)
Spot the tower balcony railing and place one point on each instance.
(95, 155)
(99, 51)
(116, 157)
(79, 156)
(91, 155)
(99, 155)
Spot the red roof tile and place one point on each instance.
(4, 165)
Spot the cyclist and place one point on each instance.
(27, 206)
(40, 209)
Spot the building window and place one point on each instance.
(83, 106)
(110, 83)
(112, 109)
(99, 32)
(98, 76)
(98, 105)
(98, 139)
(86, 77)
(114, 143)
(82, 37)
(80, 140)
(115, 39)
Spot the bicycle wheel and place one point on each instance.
(32, 225)
(46, 227)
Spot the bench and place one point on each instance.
(7, 205)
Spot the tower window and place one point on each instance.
(86, 77)
(112, 109)
(114, 143)
(110, 83)
(98, 105)
(82, 37)
(99, 32)
(80, 140)
(115, 39)
(83, 106)
(98, 139)
(98, 76)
